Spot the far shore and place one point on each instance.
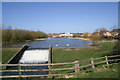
(85, 39)
(25, 41)
(37, 39)
(40, 39)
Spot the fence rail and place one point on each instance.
(77, 67)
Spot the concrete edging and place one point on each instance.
(15, 59)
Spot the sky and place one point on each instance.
(60, 0)
(0, 15)
(59, 17)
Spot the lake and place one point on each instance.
(54, 42)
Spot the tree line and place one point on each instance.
(10, 36)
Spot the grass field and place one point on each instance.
(69, 55)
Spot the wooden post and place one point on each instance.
(50, 55)
(107, 61)
(92, 62)
(77, 66)
(19, 68)
(49, 67)
(50, 60)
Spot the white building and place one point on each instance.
(66, 35)
(107, 34)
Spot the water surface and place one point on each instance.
(59, 42)
(54, 42)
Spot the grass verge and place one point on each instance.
(111, 72)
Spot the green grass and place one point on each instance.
(8, 53)
(108, 45)
(101, 73)
(61, 55)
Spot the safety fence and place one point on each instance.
(76, 67)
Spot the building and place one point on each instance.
(107, 34)
(66, 35)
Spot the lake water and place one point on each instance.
(55, 42)
(59, 42)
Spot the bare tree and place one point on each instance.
(95, 37)
(101, 30)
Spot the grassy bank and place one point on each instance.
(61, 55)
(7, 53)
(69, 55)
(111, 72)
